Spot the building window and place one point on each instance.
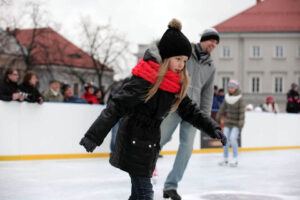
(255, 84)
(226, 53)
(278, 84)
(279, 52)
(225, 81)
(256, 51)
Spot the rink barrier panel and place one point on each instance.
(53, 130)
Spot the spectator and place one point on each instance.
(234, 120)
(221, 96)
(293, 91)
(53, 94)
(89, 94)
(249, 107)
(68, 95)
(215, 105)
(99, 95)
(293, 104)
(29, 88)
(270, 105)
(9, 89)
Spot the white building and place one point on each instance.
(260, 47)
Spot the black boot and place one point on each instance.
(172, 194)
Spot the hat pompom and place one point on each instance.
(175, 23)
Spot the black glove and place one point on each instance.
(88, 144)
(220, 135)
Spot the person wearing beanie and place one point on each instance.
(158, 86)
(202, 71)
(234, 121)
(270, 105)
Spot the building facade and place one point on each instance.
(260, 48)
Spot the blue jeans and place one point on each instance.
(141, 188)
(114, 132)
(186, 138)
(232, 134)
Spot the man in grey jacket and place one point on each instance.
(202, 72)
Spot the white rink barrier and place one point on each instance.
(28, 129)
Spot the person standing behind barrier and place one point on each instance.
(28, 87)
(9, 89)
(293, 104)
(67, 91)
(234, 120)
(158, 86)
(53, 94)
(270, 105)
(215, 105)
(202, 71)
(89, 95)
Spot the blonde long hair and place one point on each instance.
(184, 83)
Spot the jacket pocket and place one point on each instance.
(143, 152)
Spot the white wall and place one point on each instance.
(56, 128)
(51, 128)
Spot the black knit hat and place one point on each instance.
(209, 34)
(173, 42)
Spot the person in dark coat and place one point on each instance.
(293, 104)
(158, 85)
(9, 89)
(67, 92)
(29, 89)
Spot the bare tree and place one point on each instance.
(106, 47)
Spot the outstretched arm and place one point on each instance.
(192, 114)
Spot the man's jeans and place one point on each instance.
(187, 135)
(141, 188)
(114, 132)
(232, 136)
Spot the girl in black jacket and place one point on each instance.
(158, 85)
(29, 88)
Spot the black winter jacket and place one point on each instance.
(32, 93)
(137, 143)
(7, 88)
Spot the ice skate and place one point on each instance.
(223, 163)
(234, 163)
(172, 194)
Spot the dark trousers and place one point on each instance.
(141, 188)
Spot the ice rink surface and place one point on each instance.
(261, 175)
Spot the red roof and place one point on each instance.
(265, 16)
(49, 47)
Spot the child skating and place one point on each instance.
(234, 121)
(158, 86)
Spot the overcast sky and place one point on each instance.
(141, 20)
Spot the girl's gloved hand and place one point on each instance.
(88, 144)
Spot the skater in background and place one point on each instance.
(234, 120)
(158, 85)
(202, 71)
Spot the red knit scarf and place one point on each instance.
(148, 70)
